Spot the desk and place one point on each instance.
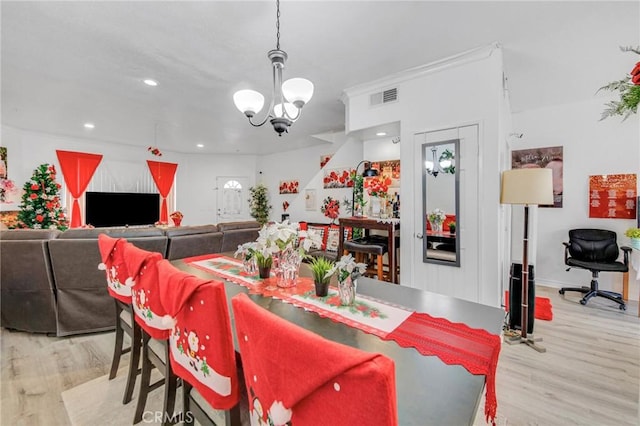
(389, 225)
(429, 391)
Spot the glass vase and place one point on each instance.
(347, 290)
(376, 206)
(288, 268)
(436, 226)
(250, 266)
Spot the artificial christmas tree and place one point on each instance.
(259, 203)
(40, 207)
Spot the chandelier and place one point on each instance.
(293, 93)
(444, 164)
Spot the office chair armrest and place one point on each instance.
(626, 250)
(566, 251)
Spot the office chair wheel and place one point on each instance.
(561, 291)
(583, 302)
(623, 307)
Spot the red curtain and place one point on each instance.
(163, 174)
(77, 170)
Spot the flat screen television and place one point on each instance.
(121, 208)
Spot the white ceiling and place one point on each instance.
(67, 63)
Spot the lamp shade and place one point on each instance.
(248, 101)
(527, 186)
(298, 91)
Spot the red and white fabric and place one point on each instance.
(142, 267)
(112, 255)
(200, 342)
(294, 376)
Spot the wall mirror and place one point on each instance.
(440, 202)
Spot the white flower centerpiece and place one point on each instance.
(281, 247)
(348, 271)
(436, 218)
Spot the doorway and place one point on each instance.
(232, 198)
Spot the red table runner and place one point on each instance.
(454, 343)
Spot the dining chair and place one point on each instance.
(112, 256)
(294, 376)
(142, 267)
(362, 248)
(201, 346)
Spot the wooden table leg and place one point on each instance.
(625, 286)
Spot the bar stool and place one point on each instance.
(362, 247)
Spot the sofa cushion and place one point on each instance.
(229, 226)
(120, 232)
(29, 234)
(321, 230)
(190, 230)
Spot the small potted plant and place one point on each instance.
(634, 234)
(452, 227)
(319, 268)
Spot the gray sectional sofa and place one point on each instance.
(50, 281)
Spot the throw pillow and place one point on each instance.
(322, 231)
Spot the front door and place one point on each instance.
(232, 199)
(459, 281)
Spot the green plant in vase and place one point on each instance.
(319, 269)
(634, 234)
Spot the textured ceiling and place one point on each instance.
(67, 63)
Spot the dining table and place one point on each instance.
(429, 391)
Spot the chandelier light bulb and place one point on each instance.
(248, 101)
(291, 110)
(428, 165)
(445, 163)
(298, 91)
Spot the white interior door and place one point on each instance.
(462, 281)
(232, 198)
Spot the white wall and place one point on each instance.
(304, 165)
(591, 147)
(195, 177)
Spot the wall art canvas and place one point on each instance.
(310, 199)
(337, 178)
(324, 159)
(548, 157)
(388, 168)
(3, 162)
(613, 196)
(289, 186)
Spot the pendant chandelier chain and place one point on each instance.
(278, 25)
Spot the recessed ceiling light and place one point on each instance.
(200, 145)
(150, 82)
(381, 134)
(89, 126)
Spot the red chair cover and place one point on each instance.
(145, 294)
(201, 344)
(112, 255)
(296, 376)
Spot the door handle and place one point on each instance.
(419, 236)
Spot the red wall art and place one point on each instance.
(289, 186)
(612, 196)
(337, 178)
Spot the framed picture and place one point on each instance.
(613, 196)
(388, 168)
(3, 162)
(550, 158)
(324, 159)
(310, 199)
(289, 186)
(337, 178)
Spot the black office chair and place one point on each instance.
(595, 250)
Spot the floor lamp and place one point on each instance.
(527, 187)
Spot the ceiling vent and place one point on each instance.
(390, 95)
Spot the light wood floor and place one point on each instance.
(588, 376)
